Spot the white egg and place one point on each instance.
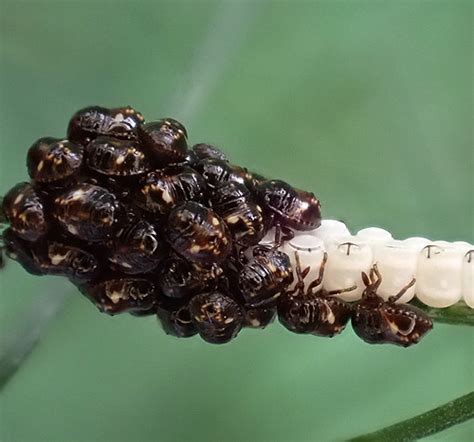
(347, 259)
(468, 278)
(397, 263)
(417, 242)
(439, 274)
(310, 251)
(330, 230)
(374, 235)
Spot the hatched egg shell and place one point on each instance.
(347, 259)
(374, 235)
(439, 275)
(310, 250)
(330, 230)
(397, 263)
(416, 242)
(468, 278)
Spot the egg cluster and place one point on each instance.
(443, 272)
(144, 223)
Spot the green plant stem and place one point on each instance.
(458, 314)
(22, 338)
(426, 424)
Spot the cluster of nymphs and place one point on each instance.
(143, 223)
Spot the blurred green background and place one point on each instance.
(367, 103)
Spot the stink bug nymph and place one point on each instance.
(234, 203)
(88, 212)
(114, 157)
(198, 234)
(52, 160)
(165, 141)
(265, 276)
(25, 212)
(217, 317)
(288, 208)
(302, 310)
(93, 121)
(377, 321)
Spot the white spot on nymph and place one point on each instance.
(215, 221)
(195, 249)
(119, 117)
(78, 194)
(167, 197)
(57, 259)
(72, 229)
(255, 322)
(330, 317)
(232, 220)
(120, 159)
(18, 199)
(115, 296)
(40, 166)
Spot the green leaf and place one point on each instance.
(426, 424)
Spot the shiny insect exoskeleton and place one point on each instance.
(163, 189)
(114, 157)
(198, 234)
(52, 256)
(61, 259)
(50, 160)
(259, 317)
(93, 121)
(137, 248)
(203, 150)
(121, 294)
(88, 212)
(181, 279)
(20, 251)
(25, 212)
(175, 317)
(165, 141)
(217, 317)
(234, 203)
(303, 310)
(253, 180)
(288, 207)
(265, 276)
(377, 321)
(216, 172)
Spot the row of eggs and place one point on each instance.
(443, 271)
